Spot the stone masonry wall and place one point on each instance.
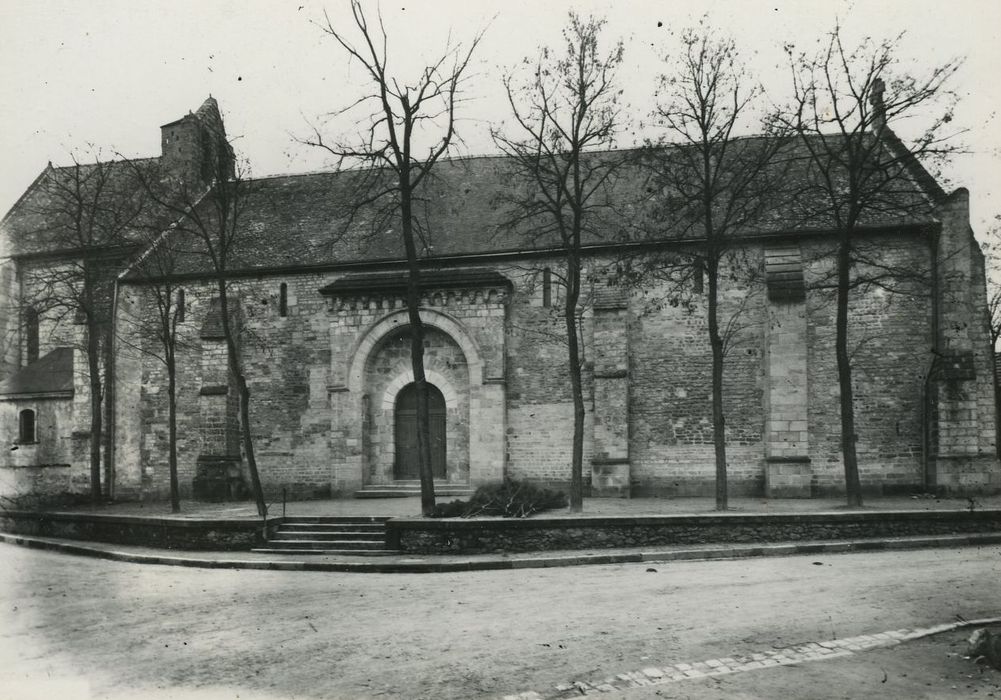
(671, 436)
(965, 448)
(890, 341)
(312, 371)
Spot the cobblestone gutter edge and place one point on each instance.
(393, 564)
(786, 656)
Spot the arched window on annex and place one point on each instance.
(27, 427)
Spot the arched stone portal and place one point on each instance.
(370, 365)
(388, 383)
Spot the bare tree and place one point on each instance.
(208, 222)
(157, 332)
(404, 133)
(565, 106)
(859, 173)
(85, 215)
(709, 189)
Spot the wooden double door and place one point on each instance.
(407, 464)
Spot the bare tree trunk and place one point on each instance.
(243, 392)
(853, 487)
(577, 455)
(96, 423)
(175, 497)
(719, 420)
(248, 444)
(417, 356)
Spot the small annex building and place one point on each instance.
(318, 296)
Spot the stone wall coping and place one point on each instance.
(34, 466)
(592, 521)
(38, 396)
(185, 523)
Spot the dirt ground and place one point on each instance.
(73, 627)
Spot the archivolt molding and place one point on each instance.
(400, 319)
(394, 388)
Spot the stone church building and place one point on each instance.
(318, 298)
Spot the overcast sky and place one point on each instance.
(104, 75)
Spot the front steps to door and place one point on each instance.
(404, 489)
(319, 534)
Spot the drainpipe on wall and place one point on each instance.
(109, 391)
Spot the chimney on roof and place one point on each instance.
(878, 106)
(194, 148)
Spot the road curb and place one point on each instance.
(395, 565)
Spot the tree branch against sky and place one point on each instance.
(844, 102)
(710, 187)
(566, 110)
(404, 129)
(154, 331)
(208, 221)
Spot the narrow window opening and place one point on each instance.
(283, 300)
(26, 433)
(180, 306)
(547, 287)
(698, 276)
(31, 334)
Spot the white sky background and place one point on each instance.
(104, 75)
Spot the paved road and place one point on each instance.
(75, 627)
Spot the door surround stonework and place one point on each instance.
(468, 318)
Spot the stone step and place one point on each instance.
(333, 519)
(321, 544)
(385, 493)
(347, 552)
(332, 527)
(394, 491)
(327, 536)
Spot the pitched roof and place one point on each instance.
(312, 219)
(51, 374)
(109, 192)
(42, 221)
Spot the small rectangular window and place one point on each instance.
(26, 428)
(180, 306)
(547, 287)
(698, 276)
(31, 333)
(283, 300)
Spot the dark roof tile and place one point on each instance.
(51, 374)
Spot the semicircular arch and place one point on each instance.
(400, 319)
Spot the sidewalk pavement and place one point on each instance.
(406, 563)
(411, 507)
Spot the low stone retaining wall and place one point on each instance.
(168, 533)
(455, 536)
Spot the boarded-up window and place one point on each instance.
(784, 274)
